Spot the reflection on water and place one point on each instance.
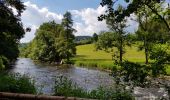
(44, 75)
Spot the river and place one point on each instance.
(45, 75)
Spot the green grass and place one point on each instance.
(168, 70)
(88, 52)
(16, 83)
(88, 56)
(65, 87)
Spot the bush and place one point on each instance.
(16, 83)
(110, 94)
(65, 87)
(100, 64)
(135, 73)
(3, 62)
(83, 42)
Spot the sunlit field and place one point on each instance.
(88, 56)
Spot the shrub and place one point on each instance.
(16, 83)
(3, 62)
(65, 87)
(110, 94)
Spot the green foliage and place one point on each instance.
(102, 64)
(11, 29)
(158, 31)
(87, 56)
(134, 73)
(95, 37)
(65, 87)
(83, 42)
(118, 31)
(52, 43)
(134, 6)
(151, 30)
(105, 41)
(3, 62)
(109, 40)
(161, 56)
(138, 74)
(66, 48)
(110, 94)
(69, 49)
(2, 66)
(16, 83)
(22, 49)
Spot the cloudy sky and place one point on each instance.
(84, 13)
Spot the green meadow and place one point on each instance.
(88, 56)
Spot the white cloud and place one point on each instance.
(132, 23)
(85, 20)
(89, 23)
(29, 35)
(34, 16)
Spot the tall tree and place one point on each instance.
(67, 23)
(50, 44)
(43, 46)
(147, 31)
(132, 7)
(118, 30)
(142, 33)
(95, 37)
(11, 29)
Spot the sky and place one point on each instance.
(84, 14)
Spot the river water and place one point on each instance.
(45, 75)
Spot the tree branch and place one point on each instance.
(162, 18)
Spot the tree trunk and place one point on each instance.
(67, 44)
(146, 51)
(68, 57)
(146, 56)
(121, 50)
(120, 55)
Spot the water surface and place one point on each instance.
(44, 75)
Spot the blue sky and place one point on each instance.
(62, 6)
(84, 13)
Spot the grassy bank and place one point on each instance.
(89, 57)
(65, 87)
(16, 83)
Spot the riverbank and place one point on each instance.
(87, 79)
(44, 75)
(87, 56)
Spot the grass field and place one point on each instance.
(89, 57)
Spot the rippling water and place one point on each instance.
(44, 75)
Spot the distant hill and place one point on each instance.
(22, 45)
(80, 38)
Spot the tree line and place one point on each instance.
(11, 31)
(152, 36)
(53, 42)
